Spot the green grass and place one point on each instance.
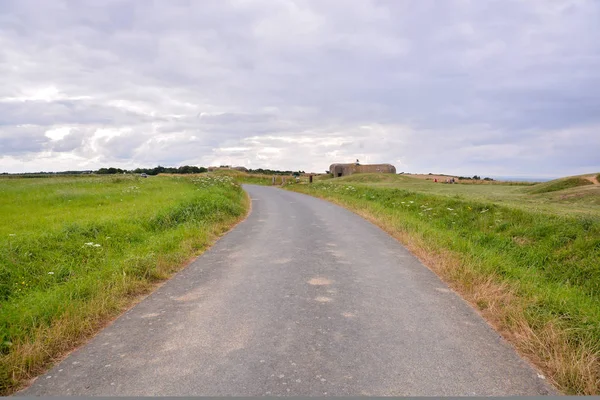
(254, 179)
(75, 251)
(582, 200)
(560, 184)
(539, 254)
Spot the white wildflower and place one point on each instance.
(50, 273)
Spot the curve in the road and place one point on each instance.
(302, 298)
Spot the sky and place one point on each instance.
(495, 88)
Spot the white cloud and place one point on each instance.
(58, 132)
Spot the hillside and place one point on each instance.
(562, 184)
(566, 196)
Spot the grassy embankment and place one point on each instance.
(76, 251)
(528, 257)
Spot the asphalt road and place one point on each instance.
(302, 298)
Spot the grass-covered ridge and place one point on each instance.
(560, 184)
(534, 274)
(75, 251)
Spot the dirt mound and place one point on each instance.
(593, 179)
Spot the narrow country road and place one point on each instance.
(302, 298)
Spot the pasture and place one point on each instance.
(76, 251)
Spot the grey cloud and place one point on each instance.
(71, 142)
(49, 113)
(21, 140)
(453, 85)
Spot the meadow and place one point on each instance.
(76, 251)
(526, 256)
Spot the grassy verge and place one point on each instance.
(255, 179)
(75, 252)
(535, 276)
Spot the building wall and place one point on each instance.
(349, 169)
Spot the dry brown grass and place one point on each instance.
(566, 365)
(593, 179)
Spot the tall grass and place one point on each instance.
(535, 276)
(74, 252)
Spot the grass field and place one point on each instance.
(580, 198)
(527, 257)
(76, 251)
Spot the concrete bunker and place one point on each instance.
(339, 170)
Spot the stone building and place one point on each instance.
(338, 170)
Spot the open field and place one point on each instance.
(527, 259)
(76, 251)
(574, 196)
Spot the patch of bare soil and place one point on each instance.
(319, 281)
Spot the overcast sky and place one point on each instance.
(504, 88)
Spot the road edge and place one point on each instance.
(504, 335)
(135, 300)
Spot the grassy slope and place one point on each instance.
(530, 263)
(74, 252)
(582, 200)
(254, 179)
(560, 184)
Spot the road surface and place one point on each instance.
(302, 298)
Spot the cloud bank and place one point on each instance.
(503, 88)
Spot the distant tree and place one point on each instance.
(110, 171)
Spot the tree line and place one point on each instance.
(186, 169)
(273, 172)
